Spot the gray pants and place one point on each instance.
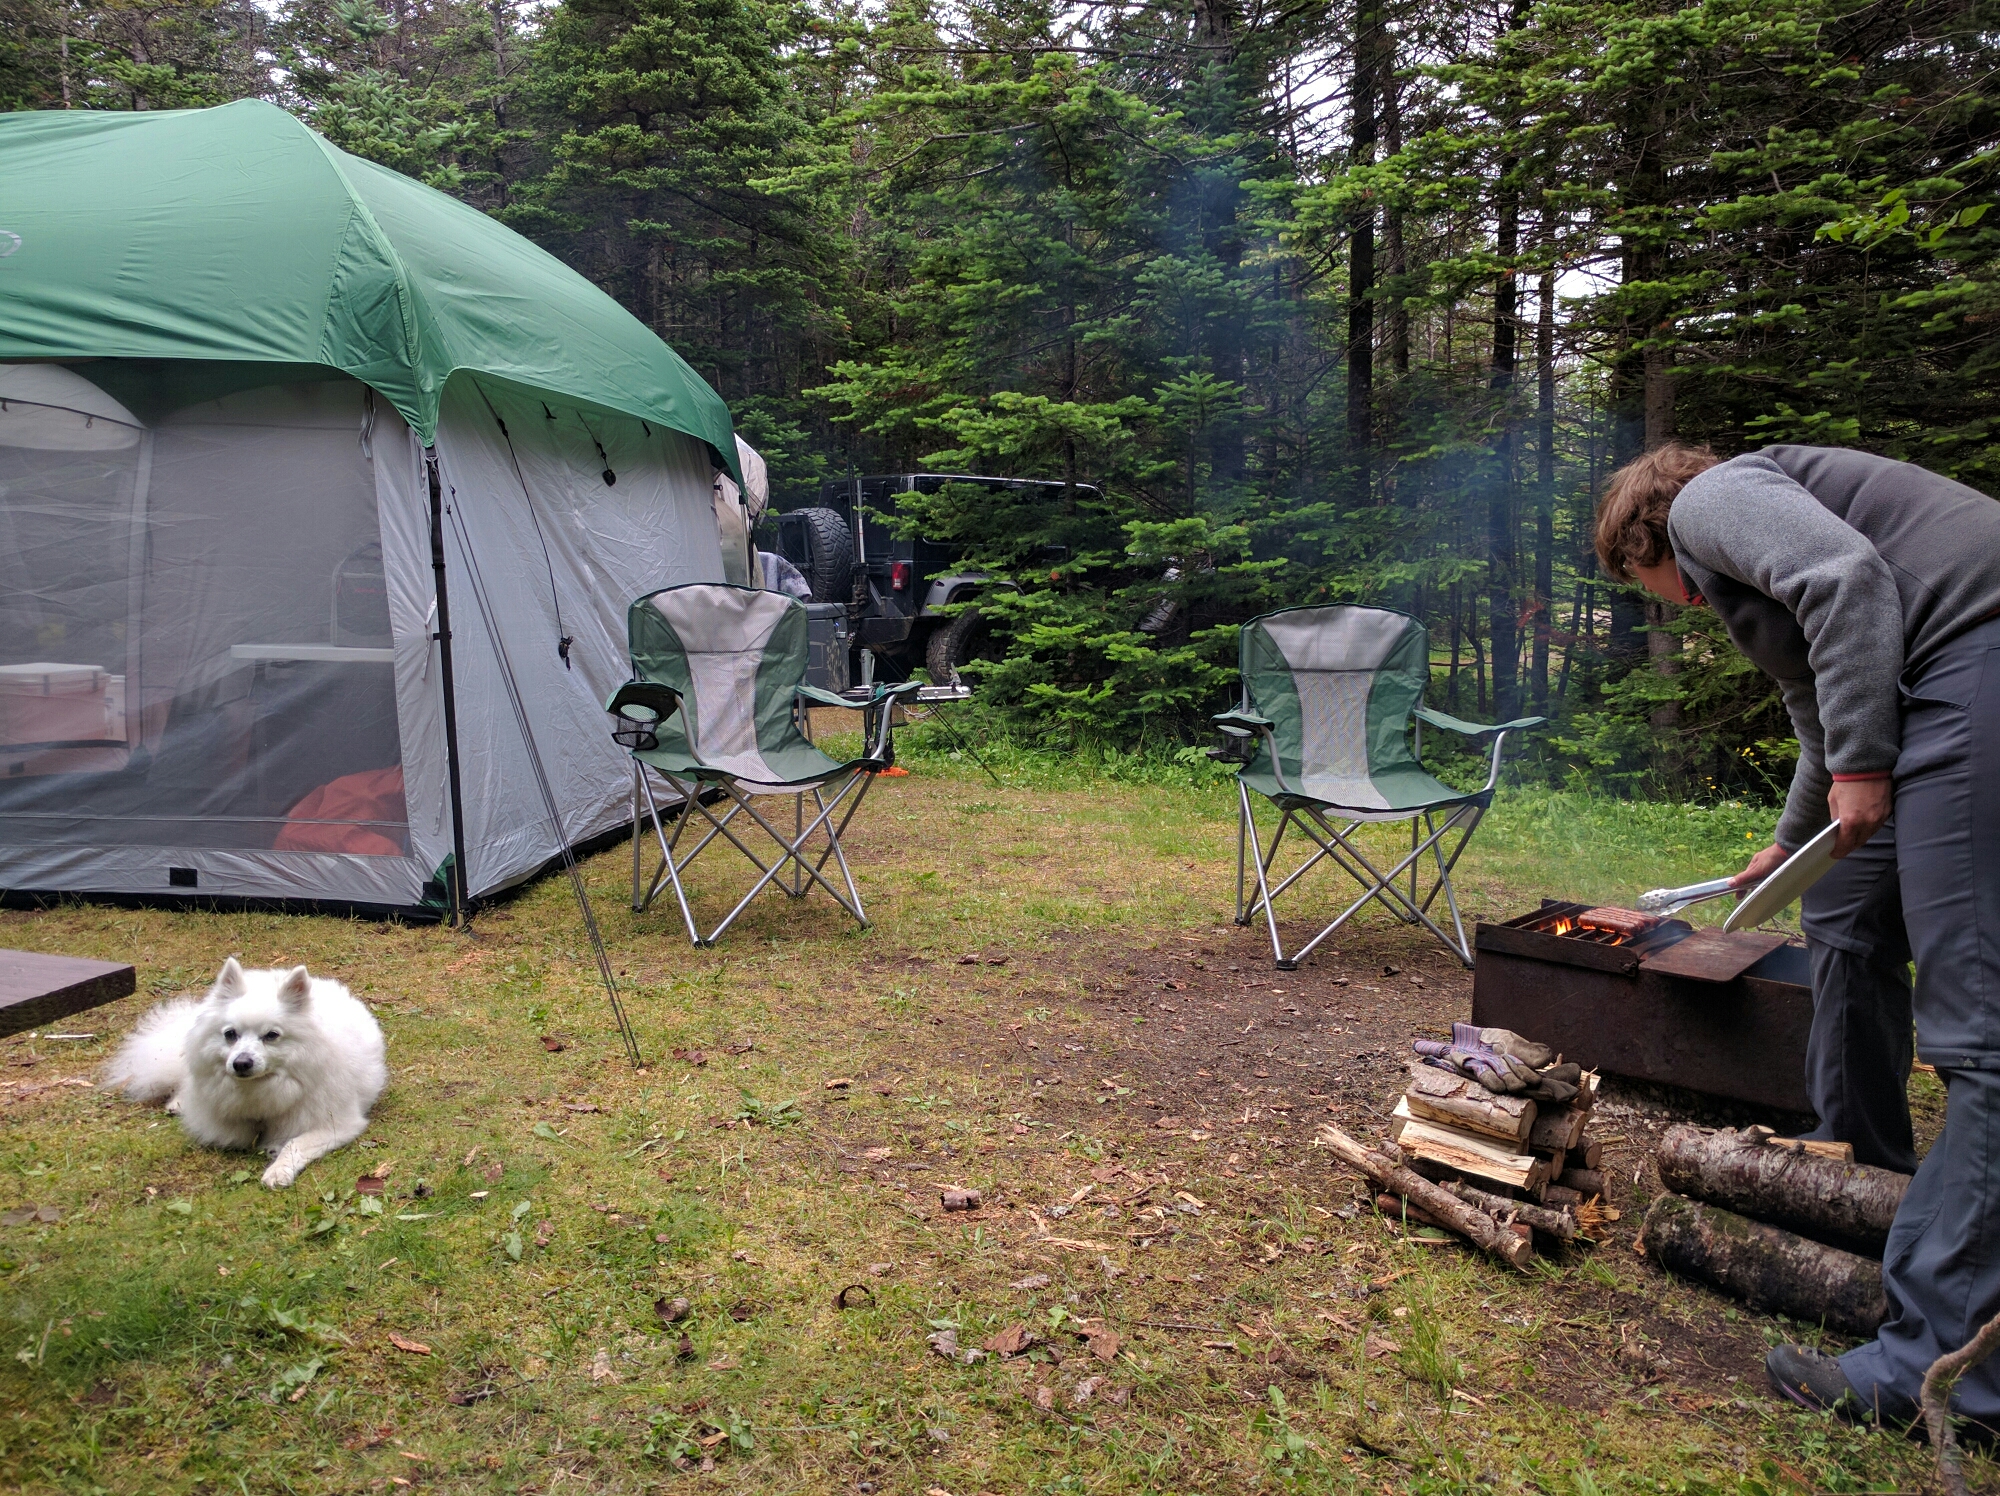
(1941, 1270)
(1858, 1054)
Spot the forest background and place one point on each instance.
(1324, 299)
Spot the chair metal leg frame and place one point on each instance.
(1334, 843)
(852, 904)
(670, 862)
(793, 858)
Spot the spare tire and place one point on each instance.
(828, 559)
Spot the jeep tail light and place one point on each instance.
(899, 576)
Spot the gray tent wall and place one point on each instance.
(227, 508)
(561, 554)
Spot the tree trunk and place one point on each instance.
(1771, 1270)
(1848, 1205)
(1361, 263)
(1474, 1225)
(1392, 218)
(1545, 484)
(1500, 491)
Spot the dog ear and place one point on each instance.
(295, 988)
(229, 981)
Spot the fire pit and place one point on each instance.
(1652, 999)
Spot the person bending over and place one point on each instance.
(1869, 590)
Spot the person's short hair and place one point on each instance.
(1632, 516)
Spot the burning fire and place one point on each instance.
(1567, 924)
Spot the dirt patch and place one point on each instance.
(1196, 1054)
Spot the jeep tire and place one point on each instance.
(830, 552)
(958, 641)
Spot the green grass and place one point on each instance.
(182, 1329)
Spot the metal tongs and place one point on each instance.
(1665, 901)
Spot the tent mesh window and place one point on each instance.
(195, 647)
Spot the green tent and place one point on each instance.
(316, 487)
(244, 236)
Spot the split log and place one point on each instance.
(1844, 1205)
(1562, 1126)
(1467, 1152)
(1475, 1226)
(1557, 1223)
(1457, 1101)
(1769, 1269)
(1585, 1182)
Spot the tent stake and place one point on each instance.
(455, 886)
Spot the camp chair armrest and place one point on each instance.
(880, 707)
(1474, 729)
(1499, 730)
(662, 701)
(640, 707)
(882, 693)
(826, 698)
(1241, 722)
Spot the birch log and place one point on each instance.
(1845, 1205)
(1474, 1225)
(1767, 1268)
(1557, 1223)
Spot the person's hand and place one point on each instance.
(1861, 806)
(1761, 866)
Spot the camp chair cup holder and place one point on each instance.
(640, 707)
(714, 717)
(1324, 732)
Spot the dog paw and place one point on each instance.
(174, 1106)
(280, 1176)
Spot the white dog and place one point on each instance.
(284, 1058)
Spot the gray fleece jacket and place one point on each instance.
(1840, 575)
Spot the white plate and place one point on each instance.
(1794, 876)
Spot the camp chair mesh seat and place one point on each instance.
(1324, 723)
(713, 711)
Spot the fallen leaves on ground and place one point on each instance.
(1013, 1340)
(600, 1367)
(672, 1311)
(414, 1347)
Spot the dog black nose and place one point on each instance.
(243, 1064)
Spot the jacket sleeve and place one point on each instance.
(1805, 814)
(1747, 519)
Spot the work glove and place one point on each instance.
(1501, 1041)
(1557, 1083)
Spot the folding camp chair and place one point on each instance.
(714, 712)
(1327, 698)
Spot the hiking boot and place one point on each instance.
(1813, 1379)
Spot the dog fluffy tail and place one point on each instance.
(149, 1066)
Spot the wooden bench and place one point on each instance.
(36, 990)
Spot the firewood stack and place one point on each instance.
(1495, 1126)
(1786, 1226)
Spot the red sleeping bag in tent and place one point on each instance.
(324, 820)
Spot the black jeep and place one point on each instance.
(895, 587)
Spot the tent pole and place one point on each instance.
(456, 886)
